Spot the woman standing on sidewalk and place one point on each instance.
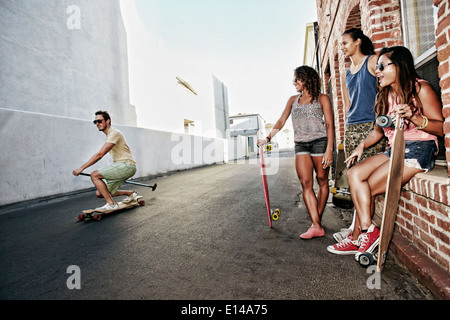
(402, 93)
(313, 123)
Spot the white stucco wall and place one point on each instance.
(38, 153)
(65, 58)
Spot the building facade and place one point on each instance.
(424, 27)
(251, 126)
(65, 58)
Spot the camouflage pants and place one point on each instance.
(355, 134)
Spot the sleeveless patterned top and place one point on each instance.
(308, 121)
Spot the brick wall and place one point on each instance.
(424, 212)
(443, 47)
(423, 217)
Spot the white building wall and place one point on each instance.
(39, 153)
(65, 58)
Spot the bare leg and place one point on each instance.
(367, 180)
(322, 180)
(304, 166)
(360, 189)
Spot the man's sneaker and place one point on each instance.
(368, 241)
(342, 235)
(346, 246)
(107, 207)
(130, 197)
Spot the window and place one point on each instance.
(419, 25)
(419, 19)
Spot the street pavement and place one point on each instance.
(202, 235)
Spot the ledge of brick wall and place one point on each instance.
(424, 214)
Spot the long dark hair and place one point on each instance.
(366, 44)
(406, 77)
(311, 80)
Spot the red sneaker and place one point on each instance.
(346, 246)
(368, 241)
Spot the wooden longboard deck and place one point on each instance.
(392, 195)
(266, 189)
(122, 206)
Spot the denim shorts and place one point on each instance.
(315, 148)
(419, 154)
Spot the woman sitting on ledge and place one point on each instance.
(401, 93)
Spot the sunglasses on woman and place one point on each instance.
(382, 66)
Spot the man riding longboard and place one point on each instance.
(124, 165)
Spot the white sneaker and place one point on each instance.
(107, 207)
(341, 235)
(130, 198)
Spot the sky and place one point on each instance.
(252, 46)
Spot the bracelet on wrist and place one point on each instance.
(424, 124)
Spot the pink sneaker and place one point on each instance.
(368, 241)
(346, 246)
(312, 233)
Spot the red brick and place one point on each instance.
(443, 23)
(443, 55)
(446, 127)
(445, 190)
(446, 112)
(425, 215)
(444, 237)
(443, 67)
(422, 225)
(412, 209)
(439, 259)
(445, 225)
(430, 241)
(420, 200)
(407, 195)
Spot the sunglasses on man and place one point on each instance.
(98, 121)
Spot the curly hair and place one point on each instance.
(310, 79)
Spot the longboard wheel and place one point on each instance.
(97, 217)
(141, 202)
(81, 217)
(366, 259)
(276, 214)
(333, 190)
(384, 121)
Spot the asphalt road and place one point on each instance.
(202, 235)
